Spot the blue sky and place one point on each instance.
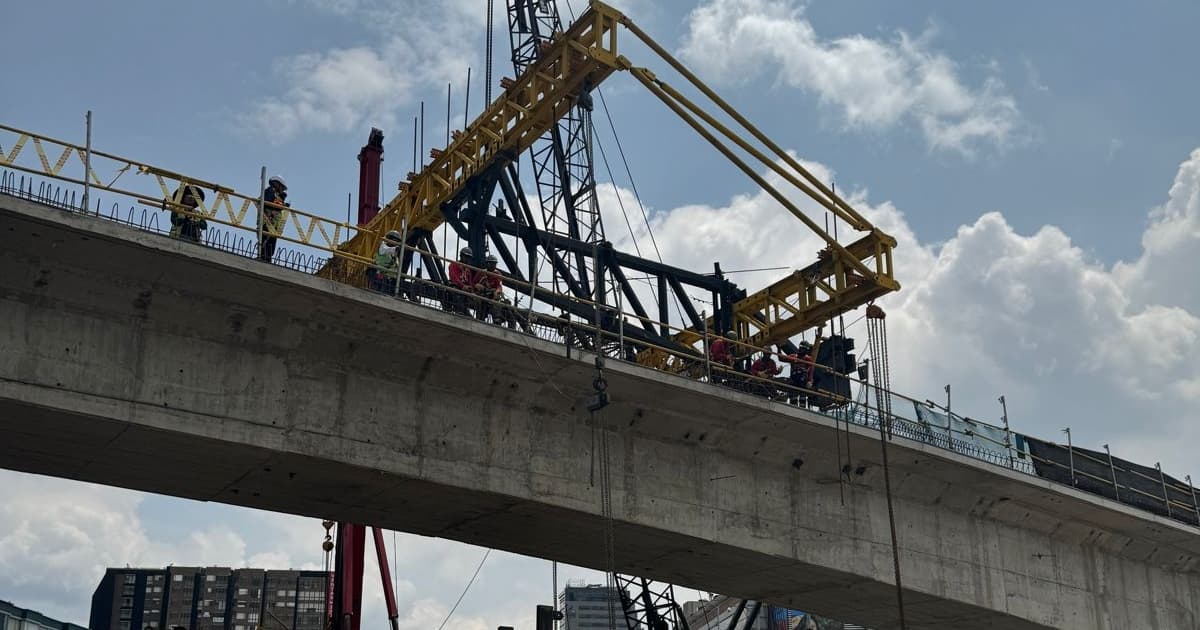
(1035, 160)
(1099, 91)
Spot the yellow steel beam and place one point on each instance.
(576, 61)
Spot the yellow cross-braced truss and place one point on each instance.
(220, 204)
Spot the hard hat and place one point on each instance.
(491, 260)
(731, 334)
(275, 179)
(392, 235)
(194, 191)
(465, 252)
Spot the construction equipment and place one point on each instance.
(457, 186)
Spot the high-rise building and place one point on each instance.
(13, 617)
(586, 607)
(209, 598)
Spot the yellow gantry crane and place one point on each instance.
(842, 278)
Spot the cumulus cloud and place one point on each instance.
(418, 48)
(1069, 341)
(1163, 274)
(873, 83)
(58, 536)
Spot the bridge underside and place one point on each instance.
(140, 362)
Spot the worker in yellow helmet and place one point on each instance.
(275, 200)
(186, 222)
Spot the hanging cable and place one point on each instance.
(632, 236)
(877, 340)
(465, 589)
(629, 174)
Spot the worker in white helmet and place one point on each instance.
(489, 285)
(275, 198)
(387, 263)
(487, 282)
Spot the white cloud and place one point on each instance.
(333, 91)
(1070, 342)
(873, 83)
(58, 536)
(1163, 275)
(419, 47)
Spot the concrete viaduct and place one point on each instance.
(137, 361)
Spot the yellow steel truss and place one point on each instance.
(844, 277)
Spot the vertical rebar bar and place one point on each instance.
(1113, 469)
(532, 286)
(449, 87)
(1195, 503)
(1070, 454)
(262, 201)
(1008, 437)
(1163, 480)
(87, 167)
(620, 325)
(400, 258)
(467, 102)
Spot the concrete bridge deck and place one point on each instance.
(133, 360)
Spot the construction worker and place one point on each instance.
(724, 354)
(801, 364)
(382, 277)
(462, 278)
(765, 369)
(184, 225)
(490, 286)
(487, 282)
(461, 274)
(275, 200)
(719, 349)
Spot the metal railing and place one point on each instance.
(234, 234)
(156, 187)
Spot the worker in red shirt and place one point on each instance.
(461, 274)
(764, 366)
(490, 286)
(487, 283)
(462, 278)
(719, 349)
(765, 369)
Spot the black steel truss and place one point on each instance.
(486, 227)
(562, 162)
(649, 605)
